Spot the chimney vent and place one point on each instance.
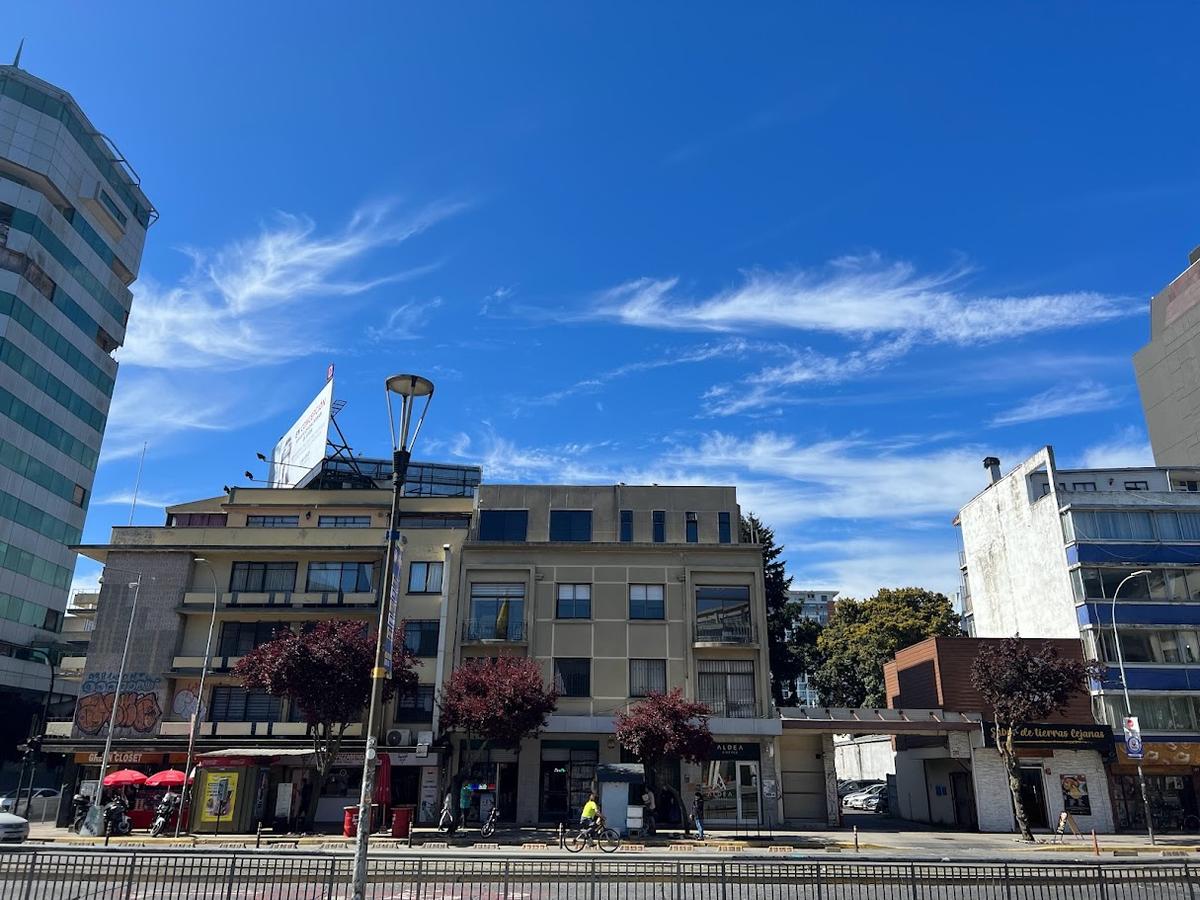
(1194, 256)
(992, 464)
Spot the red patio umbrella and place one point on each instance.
(123, 778)
(166, 778)
(383, 784)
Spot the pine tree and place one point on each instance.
(786, 664)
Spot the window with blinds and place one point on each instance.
(239, 638)
(727, 686)
(263, 577)
(647, 676)
(573, 677)
(230, 703)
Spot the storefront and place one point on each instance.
(730, 784)
(492, 779)
(142, 800)
(568, 774)
(1172, 772)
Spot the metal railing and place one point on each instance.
(58, 874)
(726, 631)
(493, 630)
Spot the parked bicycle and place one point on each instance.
(595, 835)
(489, 827)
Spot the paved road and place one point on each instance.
(81, 875)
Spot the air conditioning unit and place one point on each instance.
(398, 737)
(424, 737)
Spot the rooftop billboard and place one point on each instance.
(303, 445)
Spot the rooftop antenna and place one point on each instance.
(137, 483)
(17, 58)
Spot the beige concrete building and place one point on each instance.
(618, 591)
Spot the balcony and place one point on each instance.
(494, 631)
(246, 729)
(196, 663)
(738, 631)
(729, 708)
(71, 667)
(203, 600)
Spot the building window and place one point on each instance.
(344, 522)
(723, 615)
(574, 601)
(196, 520)
(421, 637)
(570, 524)
(1083, 486)
(239, 638)
(647, 676)
(626, 526)
(573, 677)
(448, 522)
(113, 210)
(658, 522)
(272, 521)
(503, 524)
(724, 532)
(425, 578)
(1137, 486)
(646, 601)
(727, 686)
(339, 577)
(497, 613)
(691, 527)
(230, 703)
(263, 577)
(1113, 525)
(415, 704)
(79, 495)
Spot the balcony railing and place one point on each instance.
(726, 631)
(733, 708)
(202, 600)
(493, 630)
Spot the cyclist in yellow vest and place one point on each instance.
(591, 812)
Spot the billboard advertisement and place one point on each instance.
(303, 445)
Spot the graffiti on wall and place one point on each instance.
(186, 700)
(138, 710)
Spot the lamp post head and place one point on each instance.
(408, 388)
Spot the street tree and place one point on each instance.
(786, 665)
(325, 672)
(863, 635)
(495, 703)
(1020, 684)
(804, 638)
(666, 728)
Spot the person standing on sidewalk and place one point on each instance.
(698, 814)
(464, 802)
(648, 811)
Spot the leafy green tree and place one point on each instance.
(803, 637)
(863, 635)
(1020, 686)
(781, 615)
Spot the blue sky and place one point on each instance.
(834, 254)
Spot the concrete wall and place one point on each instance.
(1016, 563)
(865, 757)
(1168, 372)
(802, 769)
(912, 790)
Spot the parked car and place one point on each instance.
(854, 785)
(13, 829)
(877, 803)
(43, 805)
(858, 798)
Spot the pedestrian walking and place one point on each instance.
(446, 821)
(648, 809)
(698, 814)
(464, 803)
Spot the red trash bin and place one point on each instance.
(402, 817)
(349, 821)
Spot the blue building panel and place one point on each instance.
(1157, 678)
(1134, 554)
(1099, 613)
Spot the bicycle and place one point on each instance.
(598, 834)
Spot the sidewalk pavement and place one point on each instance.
(910, 844)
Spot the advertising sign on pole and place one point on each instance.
(1133, 738)
(393, 602)
(303, 445)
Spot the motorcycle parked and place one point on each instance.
(115, 819)
(167, 807)
(80, 804)
(493, 819)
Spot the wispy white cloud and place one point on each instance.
(1128, 447)
(1064, 400)
(858, 297)
(154, 408)
(860, 566)
(256, 301)
(404, 321)
(126, 498)
(495, 299)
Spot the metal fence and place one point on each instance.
(40, 874)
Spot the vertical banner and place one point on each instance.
(393, 602)
(1133, 738)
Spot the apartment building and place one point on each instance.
(266, 557)
(618, 591)
(1168, 370)
(73, 222)
(815, 606)
(1044, 553)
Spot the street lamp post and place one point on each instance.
(112, 718)
(189, 789)
(1125, 688)
(409, 388)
